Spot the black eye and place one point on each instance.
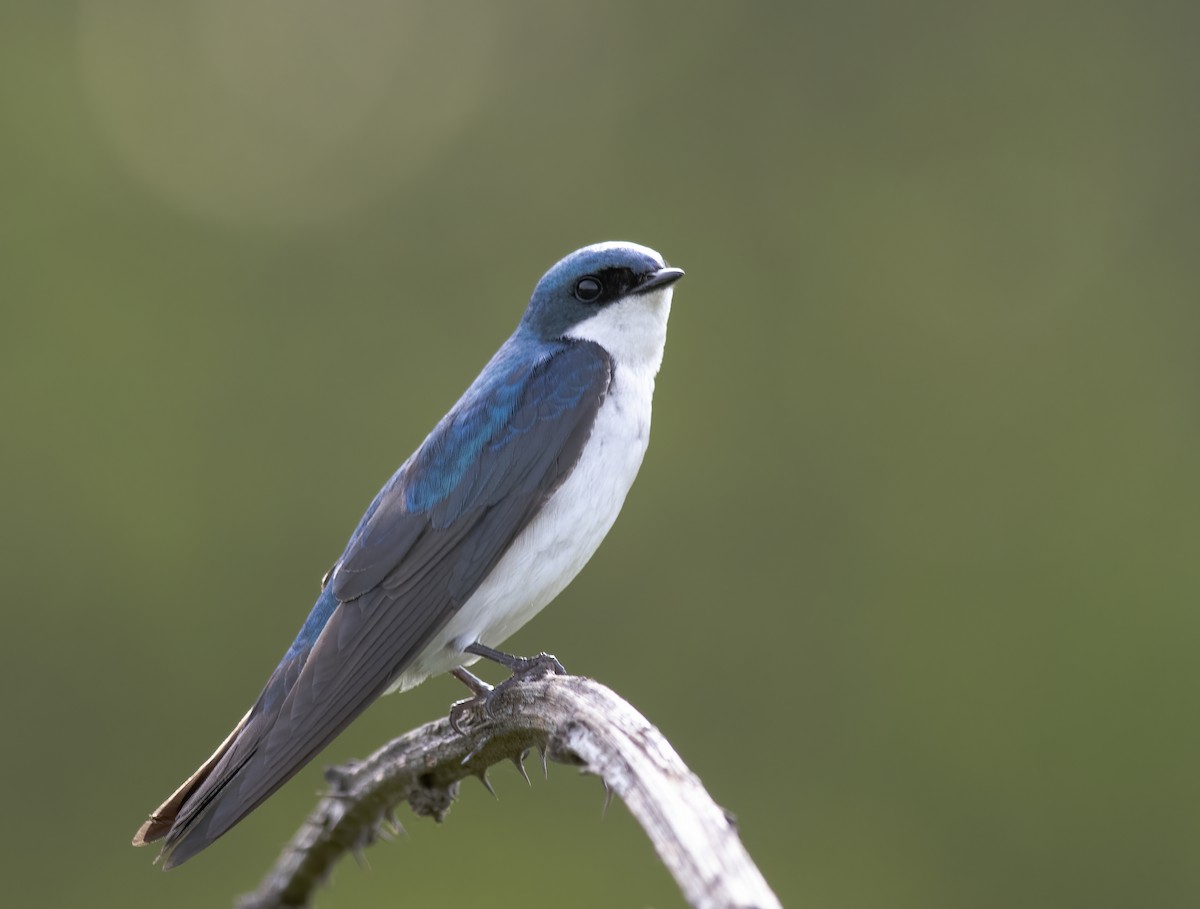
(588, 289)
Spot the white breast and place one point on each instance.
(569, 528)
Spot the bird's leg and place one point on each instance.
(477, 685)
(524, 669)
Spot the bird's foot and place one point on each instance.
(461, 710)
(524, 669)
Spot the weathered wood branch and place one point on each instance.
(568, 719)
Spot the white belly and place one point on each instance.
(559, 540)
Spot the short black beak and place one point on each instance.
(657, 279)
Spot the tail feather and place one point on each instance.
(163, 817)
(186, 818)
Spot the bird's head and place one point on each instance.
(616, 294)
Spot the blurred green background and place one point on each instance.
(910, 573)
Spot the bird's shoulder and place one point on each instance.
(525, 388)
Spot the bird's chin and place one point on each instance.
(658, 300)
(632, 330)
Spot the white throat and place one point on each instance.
(632, 330)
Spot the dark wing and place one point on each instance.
(425, 545)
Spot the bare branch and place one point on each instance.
(572, 720)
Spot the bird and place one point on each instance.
(490, 518)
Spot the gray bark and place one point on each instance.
(568, 719)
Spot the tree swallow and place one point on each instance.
(492, 516)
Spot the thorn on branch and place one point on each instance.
(487, 784)
(519, 760)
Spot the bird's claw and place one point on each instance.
(530, 669)
(470, 709)
(461, 710)
(524, 669)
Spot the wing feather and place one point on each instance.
(425, 545)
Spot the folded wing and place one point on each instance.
(426, 543)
